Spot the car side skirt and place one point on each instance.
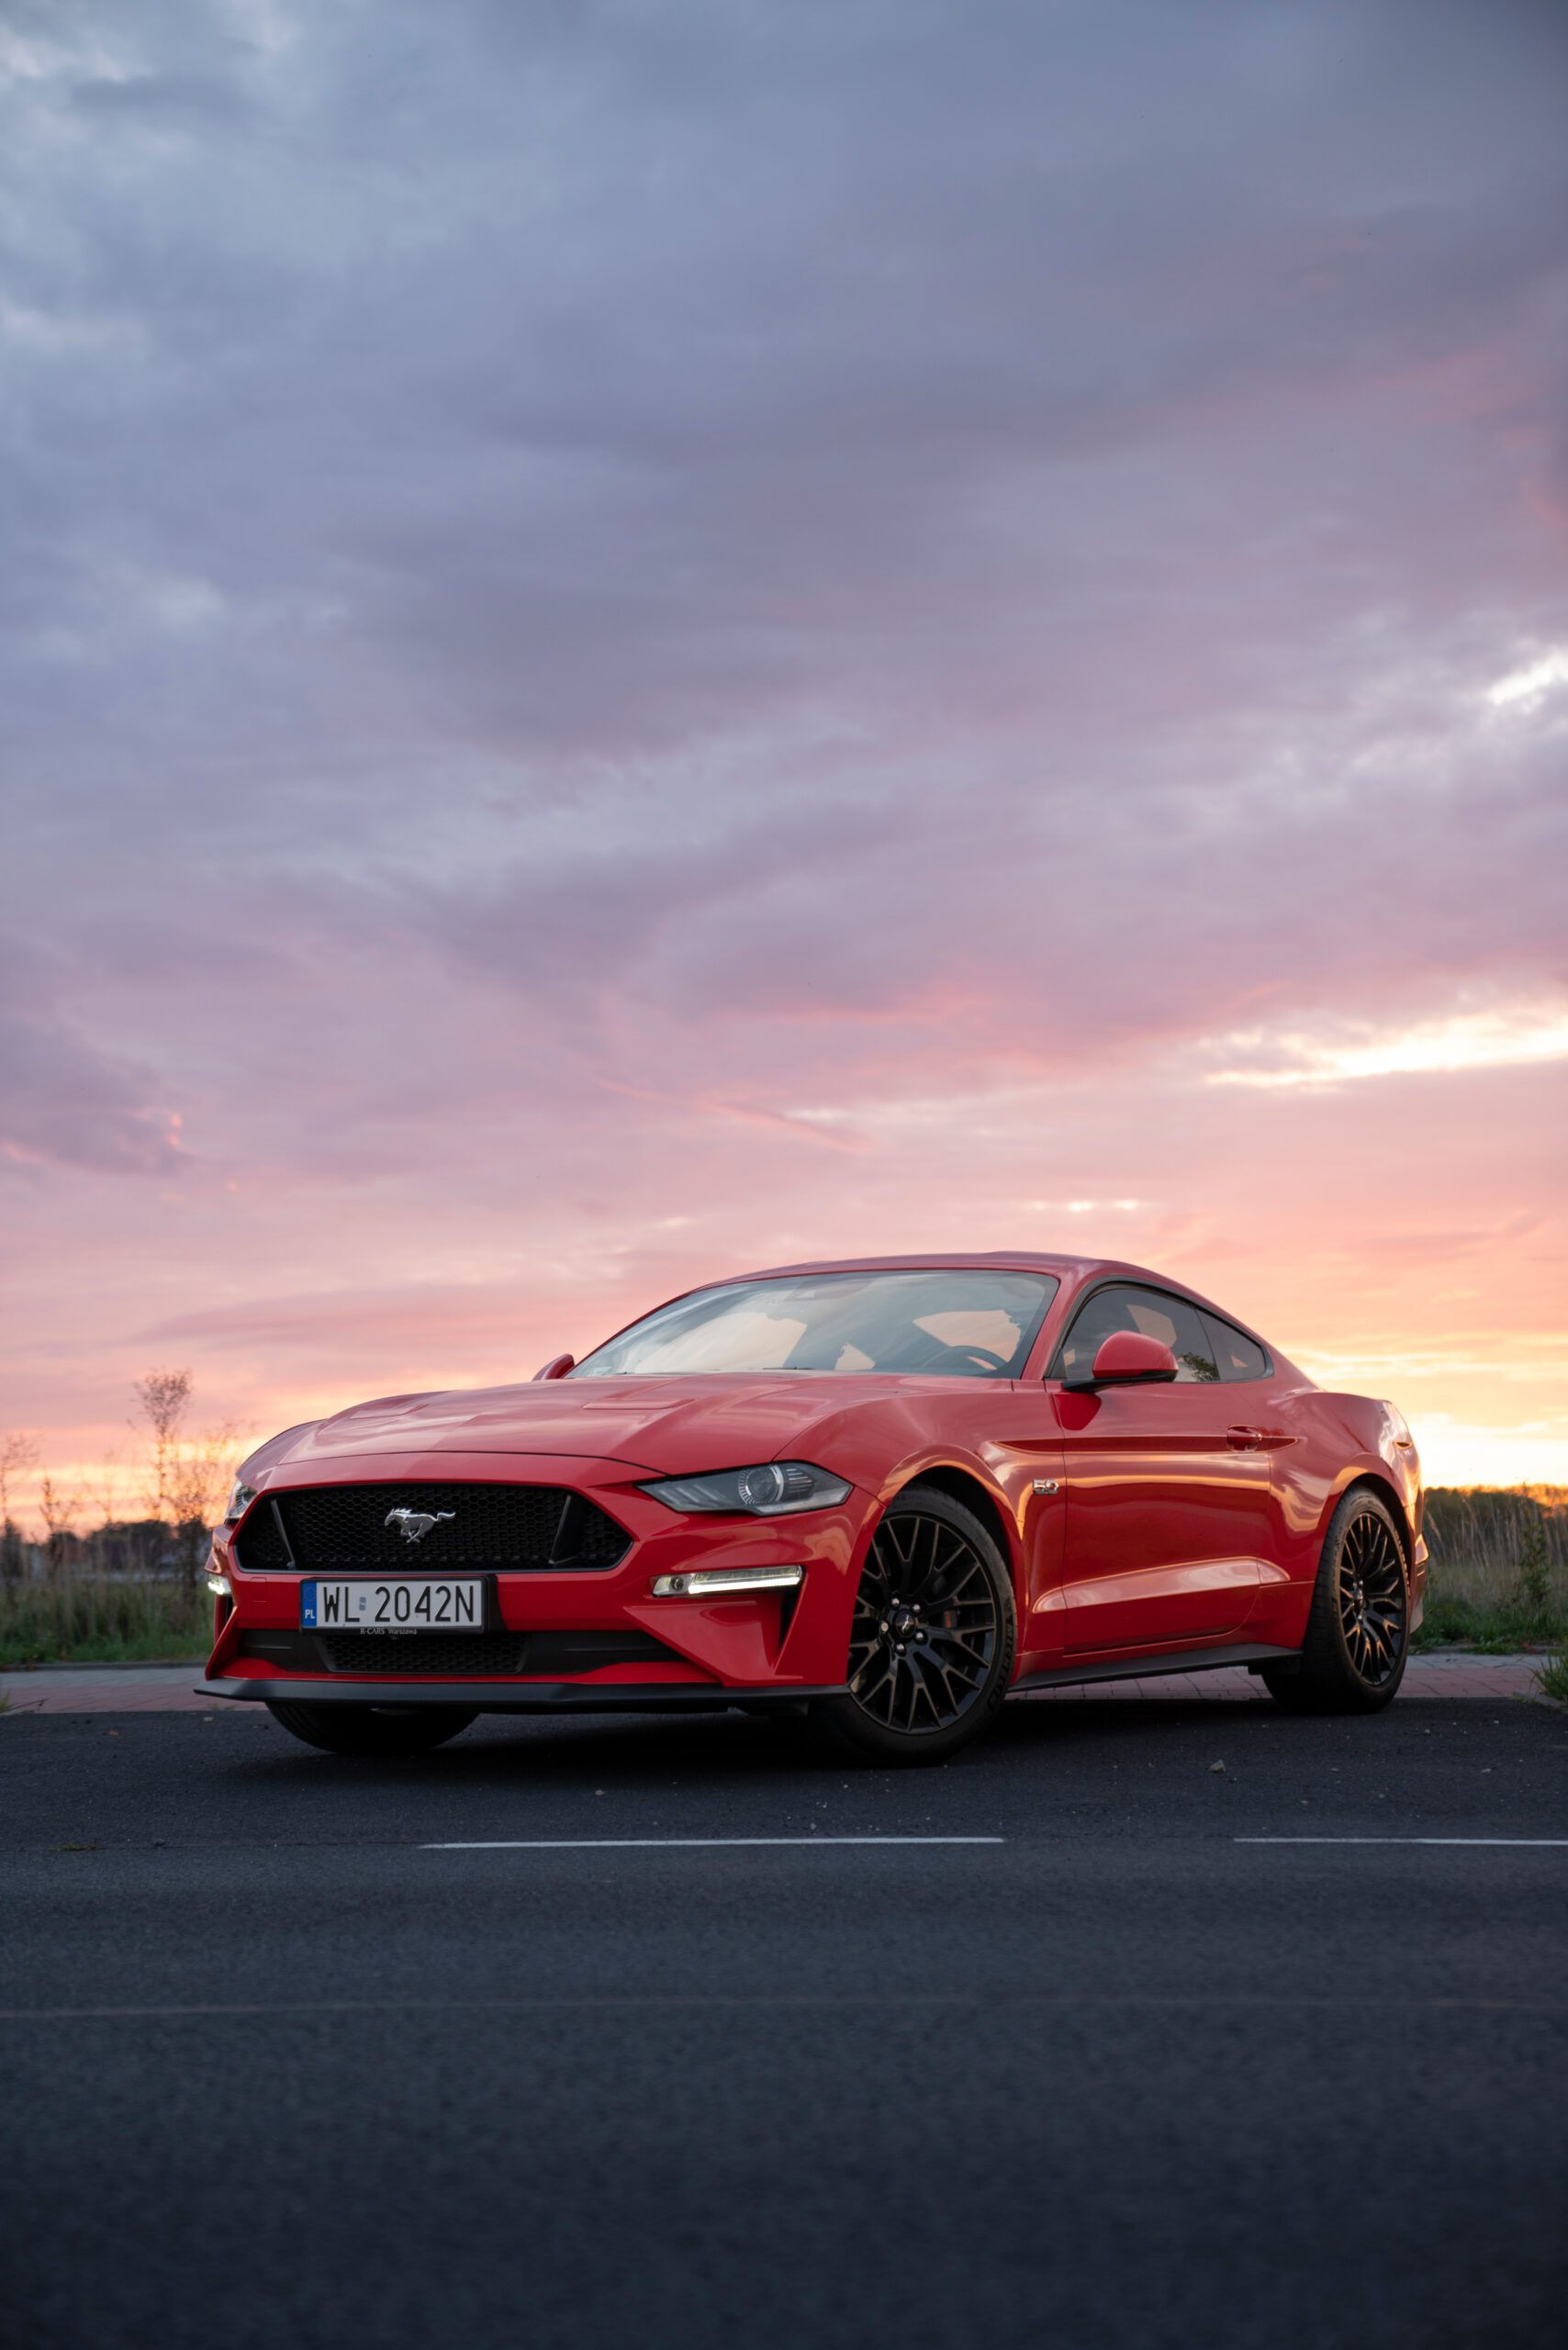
(532, 1697)
(1143, 1668)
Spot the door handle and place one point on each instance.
(1244, 1439)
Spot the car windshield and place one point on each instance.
(969, 1324)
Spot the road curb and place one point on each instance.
(105, 1664)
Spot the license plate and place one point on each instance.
(401, 1607)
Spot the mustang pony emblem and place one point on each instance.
(413, 1524)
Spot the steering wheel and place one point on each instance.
(981, 1357)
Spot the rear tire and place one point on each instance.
(1358, 1633)
(367, 1730)
(934, 1633)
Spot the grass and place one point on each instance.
(101, 1620)
(1454, 1622)
(1553, 1678)
(1498, 1579)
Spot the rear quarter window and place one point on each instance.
(1236, 1356)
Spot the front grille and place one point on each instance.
(325, 1529)
(470, 1655)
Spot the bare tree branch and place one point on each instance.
(163, 1398)
(58, 1508)
(189, 1476)
(18, 1451)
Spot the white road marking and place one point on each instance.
(1532, 1844)
(707, 2002)
(664, 1844)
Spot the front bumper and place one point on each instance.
(718, 1649)
(519, 1697)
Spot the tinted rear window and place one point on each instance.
(1237, 1356)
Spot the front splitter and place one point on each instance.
(536, 1697)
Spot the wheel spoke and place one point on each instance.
(960, 1652)
(868, 1680)
(959, 1549)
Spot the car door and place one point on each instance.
(1168, 1518)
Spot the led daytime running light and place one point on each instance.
(706, 1583)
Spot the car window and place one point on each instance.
(966, 1322)
(1124, 1305)
(1238, 1356)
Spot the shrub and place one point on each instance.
(1535, 1585)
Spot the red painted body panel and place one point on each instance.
(1167, 1520)
(1136, 1519)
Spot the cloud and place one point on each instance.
(1527, 688)
(1513, 1037)
(595, 596)
(65, 1103)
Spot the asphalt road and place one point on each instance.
(276, 2072)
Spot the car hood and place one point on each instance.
(672, 1425)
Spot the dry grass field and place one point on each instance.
(1499, 1566)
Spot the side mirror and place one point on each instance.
(557, 1367)
(1126, 1358)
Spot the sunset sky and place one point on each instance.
(647, 638)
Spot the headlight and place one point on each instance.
(238, 1501)
(775, 1489)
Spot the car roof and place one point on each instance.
(1018, 1260)
(927, 1260)
(934, 1261)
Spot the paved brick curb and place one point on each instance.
(93, 1664)
(1439, 1677)
(106, 1689)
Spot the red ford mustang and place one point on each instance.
(890, 1492)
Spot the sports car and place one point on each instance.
(888, 1493)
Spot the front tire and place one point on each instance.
(366, 1730)
(1358, 1633)
(931, 1641)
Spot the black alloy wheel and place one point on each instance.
(932, 1639)
(1358, 1633)
(1371, 1598)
